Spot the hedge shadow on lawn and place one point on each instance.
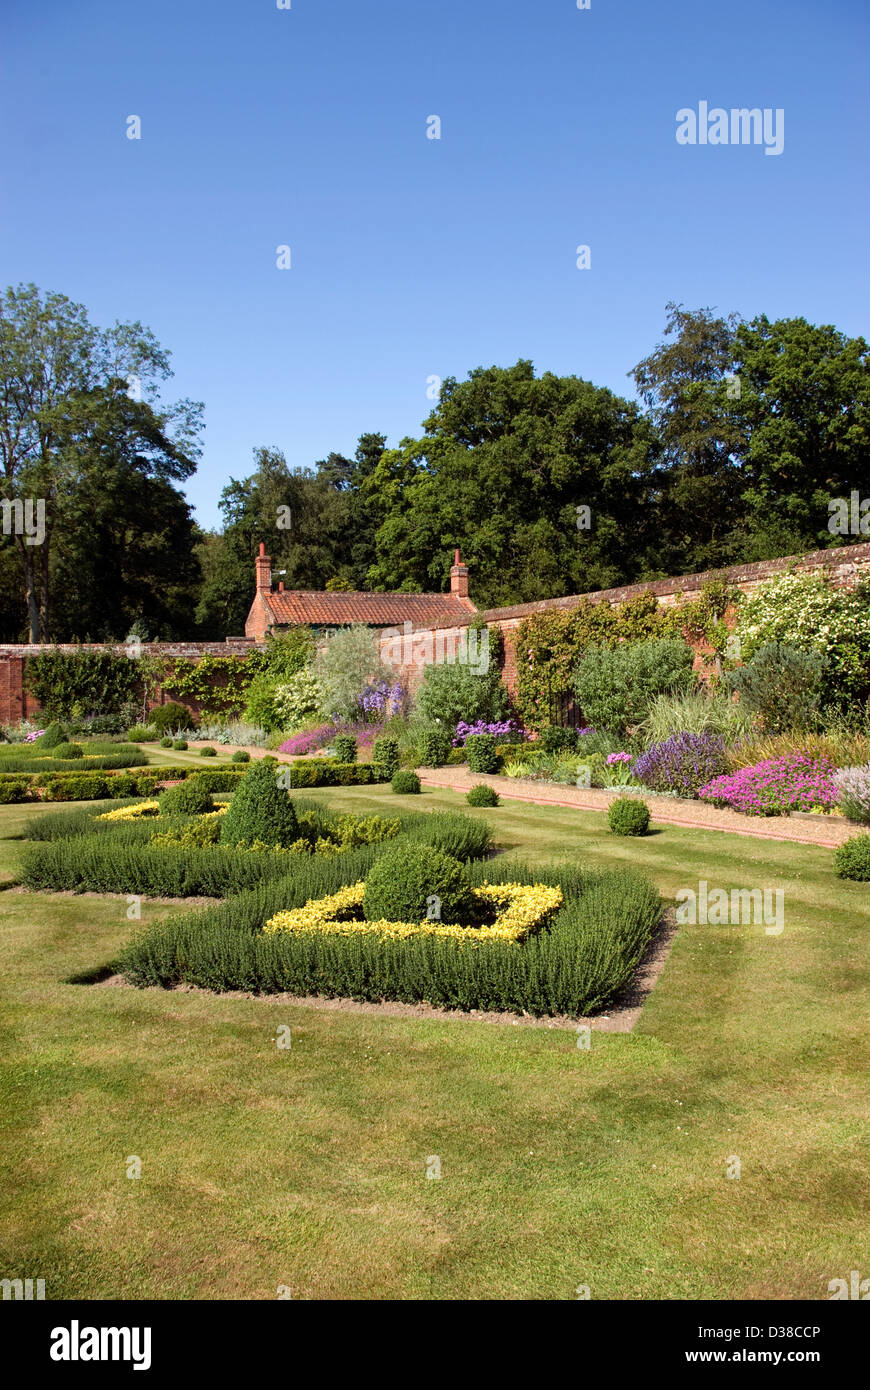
(578, 965)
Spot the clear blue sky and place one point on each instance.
(414, 257)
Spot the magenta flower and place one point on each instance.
(776, 786)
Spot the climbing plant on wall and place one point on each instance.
(549, 645)
(218, 684)
(82, 683)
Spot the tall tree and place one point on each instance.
(763, 425)
(55, 366)
(124, 536)
(805, 409)
(692, 389)
(506, 466)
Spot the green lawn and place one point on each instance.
(560, 1167)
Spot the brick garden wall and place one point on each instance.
(845, 565)
(16, 703)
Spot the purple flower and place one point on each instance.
(381, 700)
(682, 763)
(309, 742)
(506, 731)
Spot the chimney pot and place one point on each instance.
(263, 570)
(459, 578)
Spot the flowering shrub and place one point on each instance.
(381, 700)
(853, 788)
(682, 764)
(776, 786)
(297, 698)
(810, 612)
(321, 737)
(503, 731)
(33, 735)
(345, 665)
(309, 742)
(618, 769)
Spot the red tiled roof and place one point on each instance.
(387, 610)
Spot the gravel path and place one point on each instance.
(827, 831)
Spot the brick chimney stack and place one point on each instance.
(458, 577)
(264, 570)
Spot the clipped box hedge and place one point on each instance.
(588, 954)
(83, 762)
(328, 772)
(75, 851)
(98, 786)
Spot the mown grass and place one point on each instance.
(560, 1167)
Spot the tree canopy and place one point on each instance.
(744, 433)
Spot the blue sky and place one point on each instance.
(414, 257)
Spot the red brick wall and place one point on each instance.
(845, 564)
(16, 703)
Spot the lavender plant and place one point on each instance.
(683, 764)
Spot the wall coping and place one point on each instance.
(849, 555)
(182, 649)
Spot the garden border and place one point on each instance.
(665, 810)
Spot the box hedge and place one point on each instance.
(326, 772)
(345, 748)
(118, 862)
(482, 795)
(480, 753)
(434, 748)
(90, 786)
(405, 881)
(76, 852)
(385, 754)
(405, 783)
(260, 810)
